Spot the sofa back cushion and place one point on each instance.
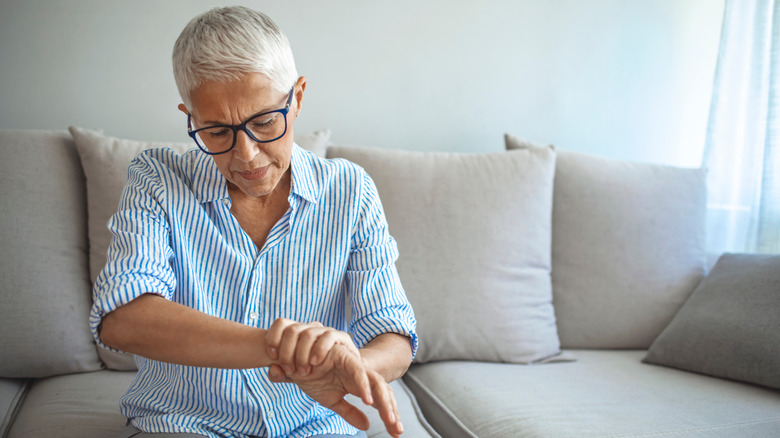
(627, 247)
(473, 233)
(45, 291)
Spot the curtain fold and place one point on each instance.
(742, 153)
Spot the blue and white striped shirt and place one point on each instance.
(174, 235)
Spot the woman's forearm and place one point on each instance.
(153, 327)
(389, 355)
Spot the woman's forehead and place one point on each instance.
(249, 95)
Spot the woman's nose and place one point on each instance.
(245, 149)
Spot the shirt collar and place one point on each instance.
(303, 180)
(209, 185)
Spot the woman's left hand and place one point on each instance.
(327, 365)
(298, 347)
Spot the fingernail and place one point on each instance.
(273, 353)
(314, 360)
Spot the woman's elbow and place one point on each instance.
(111, 331)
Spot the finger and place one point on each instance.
(351, 414)
(274, 336)
(360, 384)
(288, 345)
(306, 339)
(276, 375)
(386, 405)
(324, 343)
(398, 423)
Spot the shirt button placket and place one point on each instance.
(254, 290)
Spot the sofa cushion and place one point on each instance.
(627, 247)
(604, 393)
(76, 405)
(105, 160)
(87, 405)
(12, 391)
(473, 233)
(45, 289)
(730, 326)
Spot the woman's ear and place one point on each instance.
(300, 87)
(183, 109)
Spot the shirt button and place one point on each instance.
(254, 315)
(271, 414)
(226, 201)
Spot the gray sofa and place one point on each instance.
(539, 280)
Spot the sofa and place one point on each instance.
(557, 294)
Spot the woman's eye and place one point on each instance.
(262, 123)
(217, 132)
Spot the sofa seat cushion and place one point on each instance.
(12, 391)
(604, 393)
(87, 405)
(73, 405)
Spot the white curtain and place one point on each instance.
(742, 153)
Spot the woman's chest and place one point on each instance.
(258, 222)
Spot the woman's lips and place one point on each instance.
(255, 174)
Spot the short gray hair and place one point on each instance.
(225, 43)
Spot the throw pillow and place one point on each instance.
(729, 327)
(105, 160)
(473, 233)
(627, 247)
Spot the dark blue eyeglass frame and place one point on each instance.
(242, 127)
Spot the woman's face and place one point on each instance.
(251, 167)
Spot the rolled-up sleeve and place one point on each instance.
(138, 258)
(378, 300)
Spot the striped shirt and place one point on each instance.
(174, 235)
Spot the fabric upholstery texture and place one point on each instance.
(45, 289)
(12, 392)
(75, 405)
(730, 326)
(86, 405)
(473, 233)
(627, 247)
(415, 424)
(604, 393)
(105, 160)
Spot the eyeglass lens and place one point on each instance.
(263, 128)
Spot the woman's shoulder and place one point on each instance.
(166, 162)
(329, 178)
(169, 155)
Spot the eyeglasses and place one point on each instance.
(262, 128)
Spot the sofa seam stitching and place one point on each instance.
(443, 406)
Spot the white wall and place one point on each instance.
(623, 79)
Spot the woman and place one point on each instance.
(230, 265)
